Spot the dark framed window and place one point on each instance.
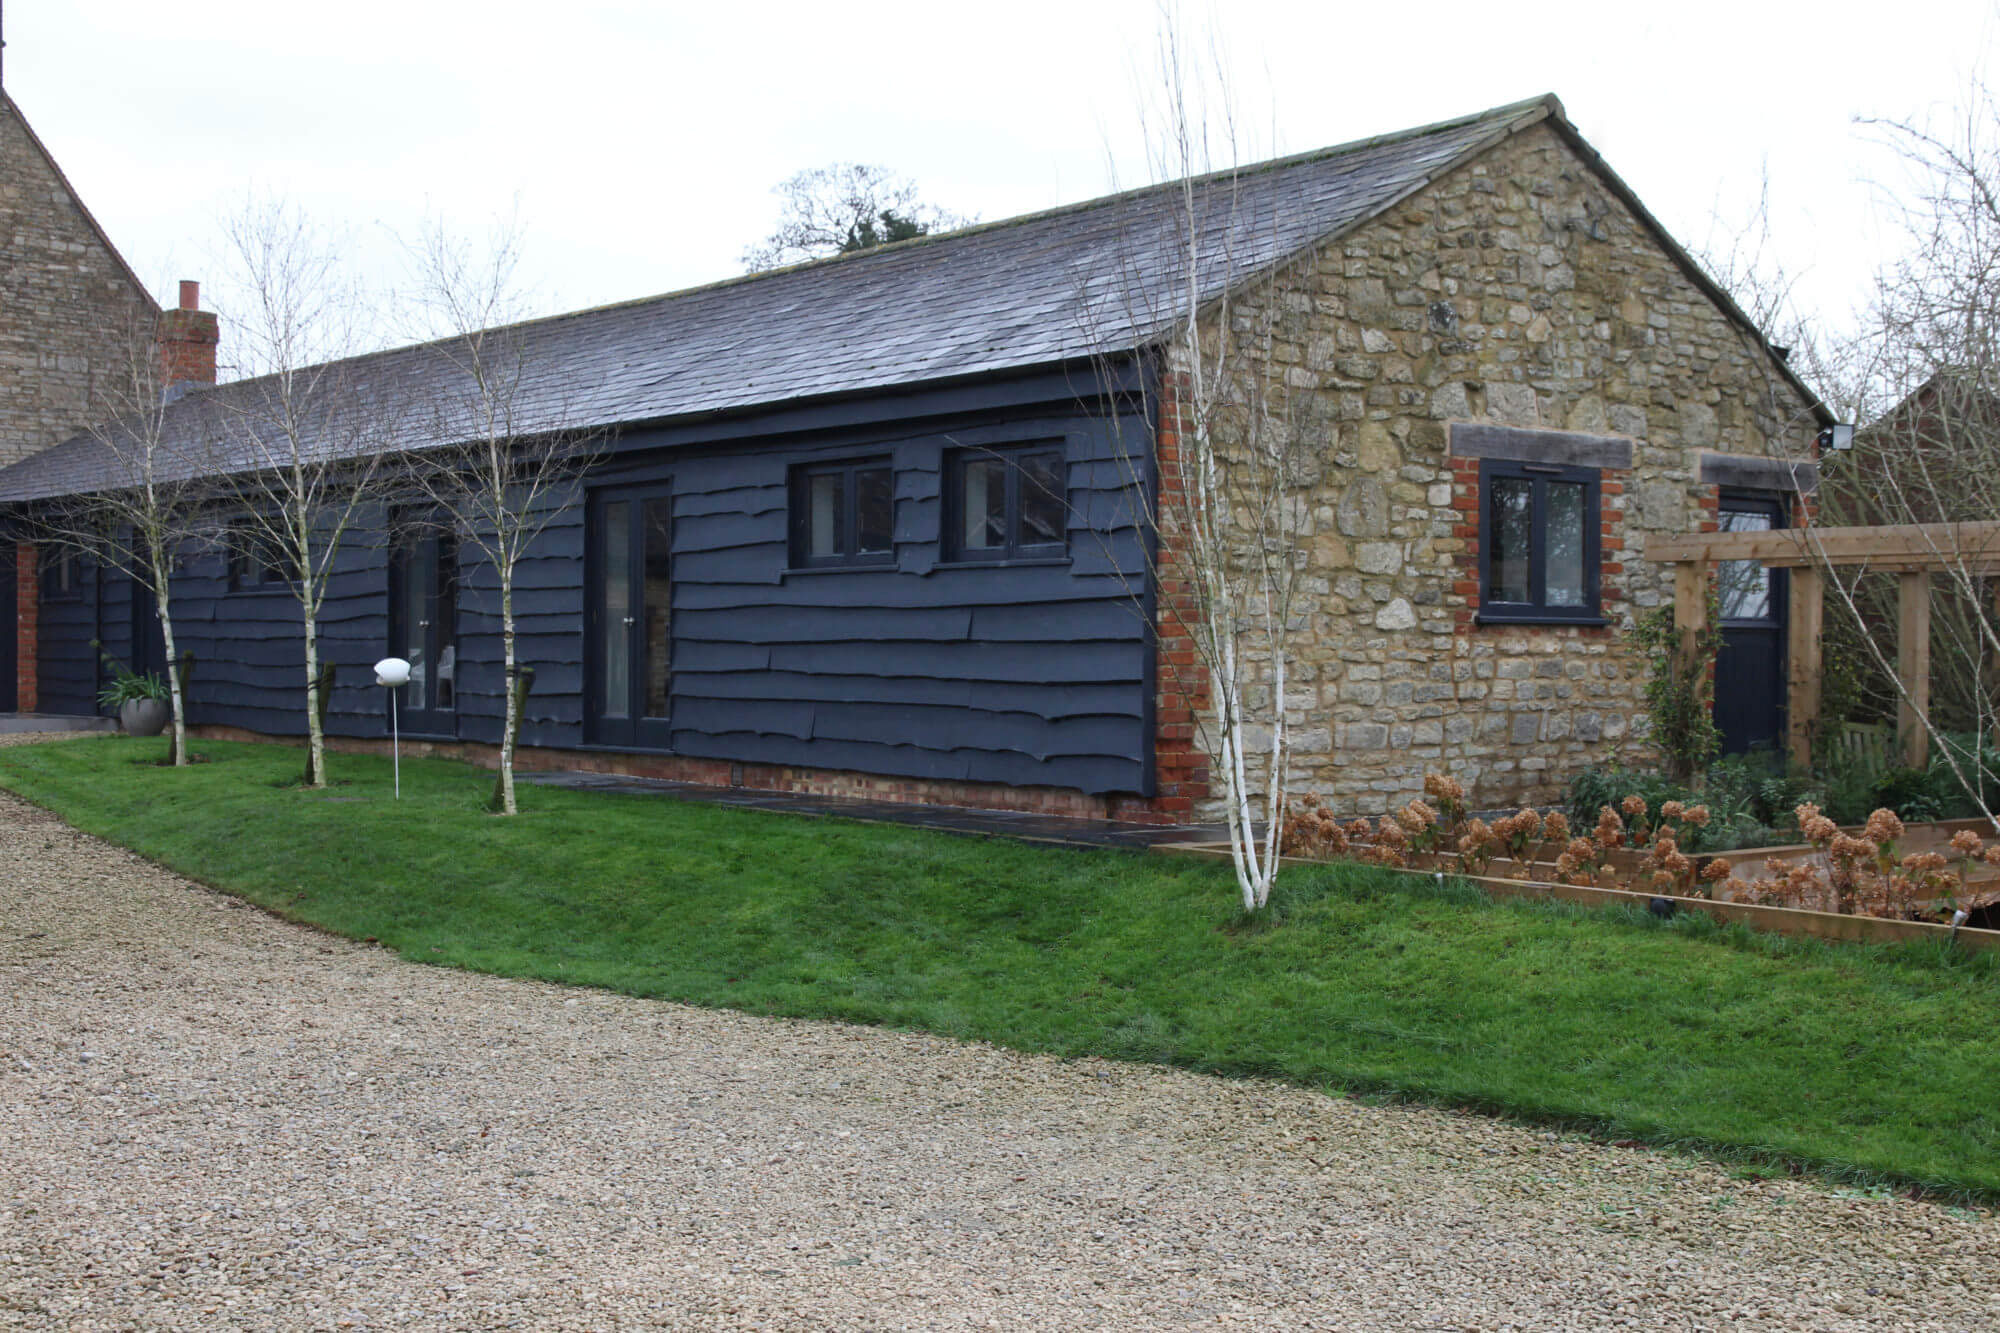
(252, 561)
(61, 573)
(1007, 504)
(843, 513)
(1538, 543)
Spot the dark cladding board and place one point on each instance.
(1030, 673)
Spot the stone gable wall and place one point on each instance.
(66, 304)
(1517, 291)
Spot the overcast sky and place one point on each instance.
(640, 141)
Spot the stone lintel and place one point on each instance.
(1564, 447)
(1750, 473)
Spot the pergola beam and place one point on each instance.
(1913, 552)
(1899, 547)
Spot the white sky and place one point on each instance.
(640, 142)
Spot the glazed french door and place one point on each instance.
(1750, 669)
(628, 618)
(423, 630)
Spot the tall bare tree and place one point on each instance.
(155, 502)
(505, 462)
(307, 438)
(1223, 480)
(1924, 374)
(838, 209)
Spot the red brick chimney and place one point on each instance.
(187, 338)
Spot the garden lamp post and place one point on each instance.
(392, 673)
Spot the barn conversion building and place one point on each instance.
(876, 525)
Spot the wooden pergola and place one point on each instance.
(1912, 552)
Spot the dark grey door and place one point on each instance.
(628, 618)
(1750, 669)
(423, 630)
(8, 630)
(149, 636)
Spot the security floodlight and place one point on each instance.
(1835, 438)
(392, 673)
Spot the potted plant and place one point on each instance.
(141, 701)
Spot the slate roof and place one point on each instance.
(1089, 279)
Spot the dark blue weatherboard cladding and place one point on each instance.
(1037, 673)
(67, 665)
(1034, 673)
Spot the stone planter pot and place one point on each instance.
(145, 717)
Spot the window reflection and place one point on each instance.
(1511, 540)
(1563, 574)
(1743, 587)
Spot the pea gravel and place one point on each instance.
(210, 1118)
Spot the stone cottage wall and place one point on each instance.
(1516, 292)
(67, 303)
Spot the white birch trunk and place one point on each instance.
(162, 585)
(513, 720)
(315, 733)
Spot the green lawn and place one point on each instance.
(1866, 1064)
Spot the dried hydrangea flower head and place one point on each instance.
(1448, 792)
(1966, 843)
(1634, 807)
(1883, 826)
(1814, 827)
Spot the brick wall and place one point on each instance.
(1180, 680)
(756, 777)
(27, 628)
(69, 307)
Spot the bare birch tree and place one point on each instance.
(155, 500)
(504, 464)
(1223, 488)
(306, 438)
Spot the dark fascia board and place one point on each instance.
(90, 220)
(1563, 447)
(1088, 382)
(1748, 473)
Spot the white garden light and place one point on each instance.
(392, 673)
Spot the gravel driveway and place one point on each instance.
(210, 1118)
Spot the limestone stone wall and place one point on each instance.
(67, 302)
(1517, 291)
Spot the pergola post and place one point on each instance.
(1913, 665)
(1802, 656)
(1690, 609)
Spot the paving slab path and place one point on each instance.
(210, 1118)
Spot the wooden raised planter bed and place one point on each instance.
(1783, 920)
